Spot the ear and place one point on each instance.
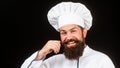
(84, 32)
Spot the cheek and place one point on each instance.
(78, 36)
(62, 38)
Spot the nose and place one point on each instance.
(69, 36)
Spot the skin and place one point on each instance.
(67, 32)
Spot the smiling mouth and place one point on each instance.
(71, 44)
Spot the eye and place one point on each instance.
(74, 30)
(63, 32)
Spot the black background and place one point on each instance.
(25, 29)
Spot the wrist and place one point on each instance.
(40, 55)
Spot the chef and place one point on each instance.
(72, 20)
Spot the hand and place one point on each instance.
(51, 45)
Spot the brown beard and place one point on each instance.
(74, 52)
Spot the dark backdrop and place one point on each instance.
(25, 29)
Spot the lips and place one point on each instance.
(71, 44)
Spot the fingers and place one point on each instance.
(55, 46)
(51, 45)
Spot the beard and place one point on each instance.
(76, 51)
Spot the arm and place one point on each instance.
(29, 60)
(36, 59)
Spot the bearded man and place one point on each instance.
(72, 20)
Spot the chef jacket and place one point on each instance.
(90, 59)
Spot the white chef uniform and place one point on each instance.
(90, 59)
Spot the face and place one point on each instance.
(72, 38)
(70, 32)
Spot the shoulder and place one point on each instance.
(96, 58)
(103, 59)
(95, 53)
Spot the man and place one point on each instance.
(72, 20)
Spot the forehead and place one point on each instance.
(69, 27)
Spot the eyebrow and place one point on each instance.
(69, 29)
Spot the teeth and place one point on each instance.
(71, 42)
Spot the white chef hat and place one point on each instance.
(69, 13)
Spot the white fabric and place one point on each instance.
(69, 12)
(70, 19)
(90, 59)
